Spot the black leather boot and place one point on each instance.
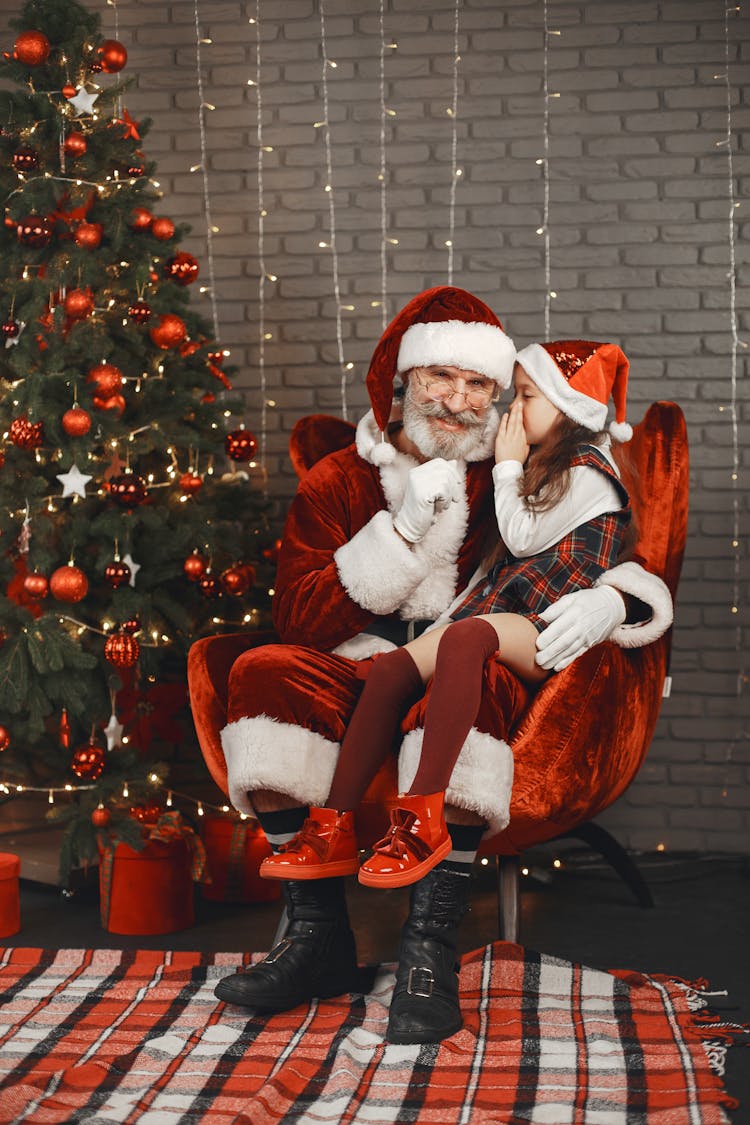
(424, 1008)
(317, 956)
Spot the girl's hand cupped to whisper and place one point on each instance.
(511, 443)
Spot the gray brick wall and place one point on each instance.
(639, 203)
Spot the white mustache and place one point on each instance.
(464, 418)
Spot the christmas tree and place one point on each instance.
(125, 534)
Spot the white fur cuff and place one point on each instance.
(263, 753)
(377, 569)
(482, 778)
(631, 578)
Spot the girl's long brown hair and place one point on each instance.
(546, 478)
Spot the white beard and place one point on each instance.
(430, 439)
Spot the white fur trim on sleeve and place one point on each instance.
(363, 646)
(482, 778)
(631, 578)
(377, 569)
(263, 753)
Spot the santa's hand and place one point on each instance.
(576, 623)
(429, 489)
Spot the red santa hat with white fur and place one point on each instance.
(443, 325)
(580, 377)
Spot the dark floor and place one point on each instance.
(699, 927)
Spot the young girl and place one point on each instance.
(562, 513)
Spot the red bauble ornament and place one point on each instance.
(78, 304)
(182, 268)
(88, 235)
(122, 650)
(88, 760)
(68, 584)
(26, 434)
(112, 56)
(101, 817)
(4, 739)
(10, 329)
(107, 379)
(169, 332)
(146, 814)
(115, 402)
(25, 159)
(240, 445)
(76, 422)
(141, 219)
(117, 573)
(195, 566)
(68, 90)
(140, 312)
(36, 585)
(31, 48)
(191, 483)
(238, 579)
(272, 553)
(128, 490)
(163, 229)
(34, 231)
(209, 586)
(75, 143)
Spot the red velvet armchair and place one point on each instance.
(584, 737)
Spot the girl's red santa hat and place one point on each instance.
(445, 326)
(580, 377)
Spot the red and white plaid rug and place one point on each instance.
(111, 1036)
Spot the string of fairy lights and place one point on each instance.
(263, 275)
(544, 161)
(329, 188)
(382, 175)
(727, 142)
(456, 172)
(211, 229)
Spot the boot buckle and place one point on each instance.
(416, 985)
(278, 951)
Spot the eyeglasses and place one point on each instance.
(439, 385)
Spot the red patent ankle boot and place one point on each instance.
(415, 843)
(325, 846)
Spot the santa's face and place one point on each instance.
(445, 428)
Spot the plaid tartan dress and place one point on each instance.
(527, 586)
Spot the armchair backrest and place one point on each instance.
(658, 453)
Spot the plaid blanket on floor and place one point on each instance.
(111, 1036)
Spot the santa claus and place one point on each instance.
(381, 539)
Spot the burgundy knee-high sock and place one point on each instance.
(454, 700)
(390, 688)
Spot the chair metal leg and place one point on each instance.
(604, 842)
(508, 896)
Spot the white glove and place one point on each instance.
(430, 488)
(577, 622)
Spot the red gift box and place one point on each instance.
(235, 850)
(10, 903)
(151, 891)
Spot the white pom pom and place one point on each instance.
(382, 453)
(621, 431)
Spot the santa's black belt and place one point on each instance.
(395, 631)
